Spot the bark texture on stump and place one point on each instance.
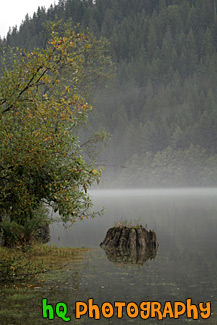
(130, 244)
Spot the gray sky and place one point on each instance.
(12, 12)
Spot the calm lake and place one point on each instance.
(185, 222)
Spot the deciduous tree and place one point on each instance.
(42, 104)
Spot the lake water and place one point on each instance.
(185, 222)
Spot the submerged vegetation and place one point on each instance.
(44, 167)
(31, 274)
(160, 110)
(24, 264)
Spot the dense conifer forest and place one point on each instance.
(161, 106)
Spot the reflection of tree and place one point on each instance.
(133, 245)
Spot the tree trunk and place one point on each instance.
(130, 244)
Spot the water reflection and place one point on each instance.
(140, 256)
(186, 262)
(130, 245)
(168, 212)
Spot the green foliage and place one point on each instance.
(136, 223)
(31, 230)
(171, 168)
(164, 93)
(42, 106)
(24, 264)
(15, 266)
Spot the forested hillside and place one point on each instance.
(160, 107)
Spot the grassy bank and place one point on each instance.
(29, 275)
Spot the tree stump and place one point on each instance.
(133, 245)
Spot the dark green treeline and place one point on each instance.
(161, 106)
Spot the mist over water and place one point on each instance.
(185, 266)
(156, 208)
(160, 109)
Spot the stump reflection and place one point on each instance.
(130, 245)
